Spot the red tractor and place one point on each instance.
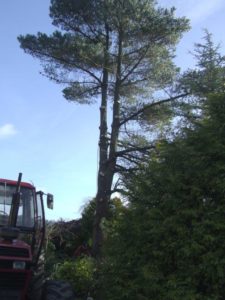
(22, 237)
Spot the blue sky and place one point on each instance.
(53, 142)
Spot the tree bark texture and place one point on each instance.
(107, 156)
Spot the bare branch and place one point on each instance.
(69, 64)
(133, 157)
(147, 106)
(132, 161)
(145, 50)
(76, 82)
(135, 149)
(81, 94)
(78, 30)
(135, 65)
(135, 81)
(121, 169)
(121, 191)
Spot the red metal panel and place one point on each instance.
(27, 280)
(16, 245)
(13, 182)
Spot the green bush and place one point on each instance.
(79, 272)
(51, 259)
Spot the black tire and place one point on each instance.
(58, 290)
(37, 282)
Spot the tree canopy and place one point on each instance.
(117, 52)
(169, 243)
(88, 42)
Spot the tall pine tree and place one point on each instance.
(113, 52)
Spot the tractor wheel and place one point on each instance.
(58, 290)
(38, 280)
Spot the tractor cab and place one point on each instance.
(22, 233)
(25, 219)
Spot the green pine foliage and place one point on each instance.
(169, 242)
(86, 43)
(209, 73)
(207, 77)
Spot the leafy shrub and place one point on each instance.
(80, 274)
(51, 259)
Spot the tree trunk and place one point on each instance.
(107, 161)
(101, 196)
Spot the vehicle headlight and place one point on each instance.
(19, 265)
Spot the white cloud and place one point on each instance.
(7, 130)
